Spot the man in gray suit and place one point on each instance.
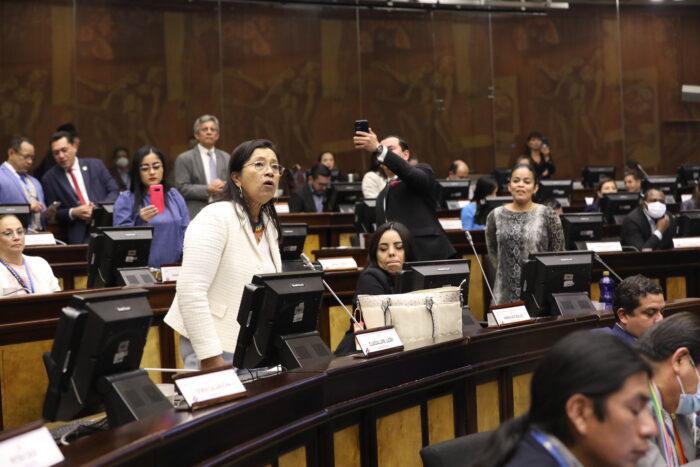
(201, 172)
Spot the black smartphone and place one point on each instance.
(545, 141)
(361, 125)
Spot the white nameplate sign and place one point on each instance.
(39, 239)
(282, 208)
(685, 197)
(602, 247)
(511, 313)
(170, 273)
(589, 200)
(33, 448)
(338, 264)
(378, 341)
(451, 223)
(208, 387)
(686, 242)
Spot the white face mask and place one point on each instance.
(122, 162)
(656, 209)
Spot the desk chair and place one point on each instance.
(454, 452)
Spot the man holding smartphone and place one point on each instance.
(409, 197)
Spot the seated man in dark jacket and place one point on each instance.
(312, 196)
(649, 227)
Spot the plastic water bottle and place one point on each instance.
(607, 290)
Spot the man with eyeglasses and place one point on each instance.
(17, 186)
(201, 172)
(78, 184)
(312, 196)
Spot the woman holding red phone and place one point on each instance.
(151, 201)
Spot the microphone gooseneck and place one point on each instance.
(600, 260)
(483, 273)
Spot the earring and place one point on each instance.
(240, 191)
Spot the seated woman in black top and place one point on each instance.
(389, 249)
(605, 185)
(537, 150)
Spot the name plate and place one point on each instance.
(209, 387)
(685, 197)
(510, 313)
(39, 239)
(451, 223)
(686, 242)
(343, 263)
(378, 341)
(170, 273)
(282, 208)
(589, 200)
(31, 445)
(602, 247)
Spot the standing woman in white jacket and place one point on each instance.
(225, 245)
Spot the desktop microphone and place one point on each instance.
(307, 262)
(641, 169)
(600, 260)
(483, 273)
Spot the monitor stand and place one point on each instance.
(131, 396)
(304, 350)
(292, 265)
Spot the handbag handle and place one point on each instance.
(386, 303)
(429, 307)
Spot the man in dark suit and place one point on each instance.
(201, 172)
(77, 184)
(409, 197)
(649, 227)
(312, 196)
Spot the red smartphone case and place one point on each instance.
(157, 197)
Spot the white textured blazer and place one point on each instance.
(42, 277)
(220, 257)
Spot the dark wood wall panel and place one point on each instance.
(604, 88)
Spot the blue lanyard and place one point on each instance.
(550, 447)
(17, 277)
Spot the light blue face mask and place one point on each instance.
(689, 403)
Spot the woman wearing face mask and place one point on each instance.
(516, 229)
(672, 346)
(120, 171)
(649, 226)
(134, 207)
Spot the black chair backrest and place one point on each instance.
(454, 452)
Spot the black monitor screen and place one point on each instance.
(495, 201)
(344, 195)
(689, 224)
(419, 275)
(502, 175)
(272, 306)
(592, 174)
(22, 211)
(581, 227)
(546, 273)
(293, 238)
(556, 189)
(99, 334)
(666, 183)
(615, 206)
(687, 174)
(366, 215)
(112, 248)
(451, 191)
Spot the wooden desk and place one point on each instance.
(379, 411)
(69, 263)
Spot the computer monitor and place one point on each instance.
(546, 273)
(293, 239)
(558, 189)
(95, 359)
(450, 192)
(592, 174)
(278, 315)
(344, 195)
(366, 215)
(22, 211)
(689, 224)
(666, 183)
(102, 214)
(615, 206)
(419, 275)
(111, 248)
(493, 202)
(581, 227)
(688, 175)
(502, 175)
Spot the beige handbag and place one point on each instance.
(419, 315)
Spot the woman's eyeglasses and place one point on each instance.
(260, 166)
(148, 168)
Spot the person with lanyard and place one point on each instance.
(588, 408)
(672, 347)
(20, 274)
(17, 186)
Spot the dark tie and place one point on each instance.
(77, 187)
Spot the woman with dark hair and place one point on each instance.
(389, 249)
(374, 181)
(120, 168)
(588, 408)
(474, 214)
(328, 159)
(225, 245)
(605, 185)
(694, 201)
(516, 229)
(537, 150)
(134, 207)
(672, 347)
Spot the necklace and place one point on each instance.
(259, 226)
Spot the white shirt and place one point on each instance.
(264, 248)
(42, 277)
(79, 176)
